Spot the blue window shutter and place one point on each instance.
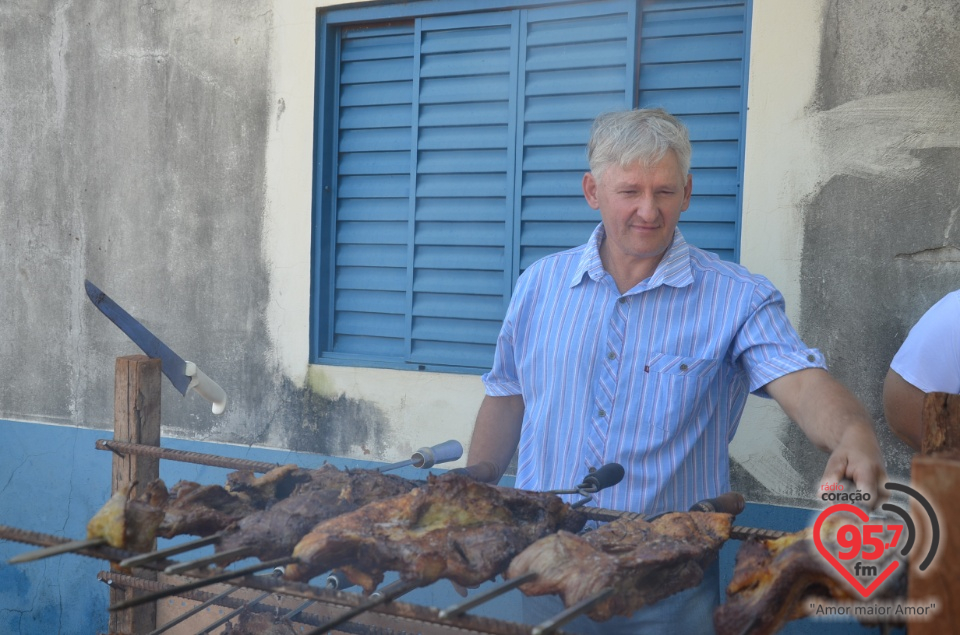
(692, 61)
(578, 61)
(372, 191)
(463, 193)
(459, 143)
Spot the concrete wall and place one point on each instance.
(163, 150)
(850, 198)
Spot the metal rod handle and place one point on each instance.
(425, 458)
(338, 580)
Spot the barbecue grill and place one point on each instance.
(256, 589)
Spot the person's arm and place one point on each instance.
(903, 407)
(496, 433)
(836, 422)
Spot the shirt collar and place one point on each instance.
(675, 269)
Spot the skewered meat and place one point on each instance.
(189, 508)
(770, 580)
(274, 485)
(643, 562)
(274, 532)
(202, 510)
(357, 485)
(453, 527)
(126, 523)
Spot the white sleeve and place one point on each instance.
(930, 356)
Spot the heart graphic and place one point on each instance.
(859, 513)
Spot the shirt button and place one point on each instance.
(811, 358)
(683, 367)
(602, 413)
(622, 300)
(611, 355)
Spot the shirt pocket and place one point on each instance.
(679, 386)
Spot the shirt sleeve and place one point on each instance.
(930, 356)
(767, 346)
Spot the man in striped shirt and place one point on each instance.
(640, 349)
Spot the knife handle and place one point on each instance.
(606, 476)
(208, 389)
(728, 503)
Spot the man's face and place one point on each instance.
(640, 207)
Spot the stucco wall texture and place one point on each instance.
(133, 140)
(131, 137)
(139, 147)
(881, 232)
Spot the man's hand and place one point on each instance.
(837, 423)
(857, 458)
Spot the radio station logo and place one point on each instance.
(864, 550)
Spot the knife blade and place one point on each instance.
(182, 374)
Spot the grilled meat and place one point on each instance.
(126, 523)
(274, 532)
(643, 562)
(263, 491)
(771, 579)
(189, 508)
(357, 485)
(453, 527)
(202, 510)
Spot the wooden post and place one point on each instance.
(938, 479)
(941, 422)
(936, 475)
(136, 419)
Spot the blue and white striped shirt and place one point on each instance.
(654, 379)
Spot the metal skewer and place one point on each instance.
(497, 590)
(574, 611)
(295, 612)
(197, 609)
(387, 594)
(190, 586)
(394, 589)
(277, 572)
(229, 616)
(55, 550)
(231, 554)
(160, 554)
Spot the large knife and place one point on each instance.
(183, 375)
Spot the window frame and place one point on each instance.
(330, 20)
